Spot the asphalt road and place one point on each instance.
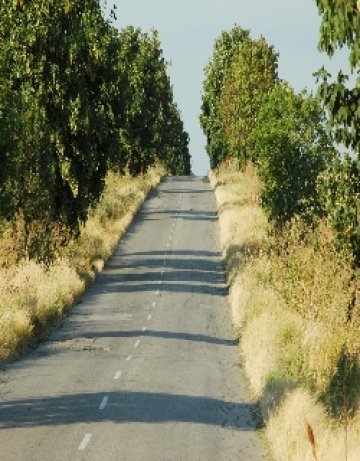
(145, 367)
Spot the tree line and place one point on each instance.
(78, 98)
(250, 114)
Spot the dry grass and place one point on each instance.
(108, 221)
(242, 228)
(34, 296)
(299, 324)
(297, 410)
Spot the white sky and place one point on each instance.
(188, 29)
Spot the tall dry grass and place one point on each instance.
(242, 227)
(34, 296)
(296, 307)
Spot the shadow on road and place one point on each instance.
(184, 272)
(66, 336)
(193, 215)
(125, 407)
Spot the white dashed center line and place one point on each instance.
(104, 402)
(154, 304)
(85, 441)
(144, 329)
(128, 358)
(118, 374)
(149, 317)
(137, 344)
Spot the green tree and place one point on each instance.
(225, 49)
(76, 98)
(148, 105)
(252, 74)
(293, 148)
(340, 26)
(339, 189)
(56, 63)
(175, 140)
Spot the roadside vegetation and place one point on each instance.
(290, 227)
(290, 295)
(87, 116)
(35, 295)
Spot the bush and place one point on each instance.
(293, 148)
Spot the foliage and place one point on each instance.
(33, 296)
(340, 27)
(76, 99)
(252, 74)
(225, 49)
(316, 279)
(296, 302)
(55, 64)
(151, 127)
(339, 189)
(173, 148)
(240, 72)
(293, 148)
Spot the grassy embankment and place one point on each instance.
(298, 315)
(33, 297)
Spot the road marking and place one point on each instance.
(85, 441)
(159, 282)
(154, 304)
(118, 374)
(157, 292)
(164, 262)
(144, 329)
(168, 245)
(137, 344)
(162, 273)
(128, 358)
(149, 317)
(104, 402)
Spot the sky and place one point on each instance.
(188, 29)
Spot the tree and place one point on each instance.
(76, 98)
(225, 49)
(252, 74)
(56, 64)
(148, 105)
(339, 189)
(175, 142)
(340, 26)
(293, 148)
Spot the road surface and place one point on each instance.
(145, 367)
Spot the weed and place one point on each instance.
(311, 438)
(295, 301)
(34, 295)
